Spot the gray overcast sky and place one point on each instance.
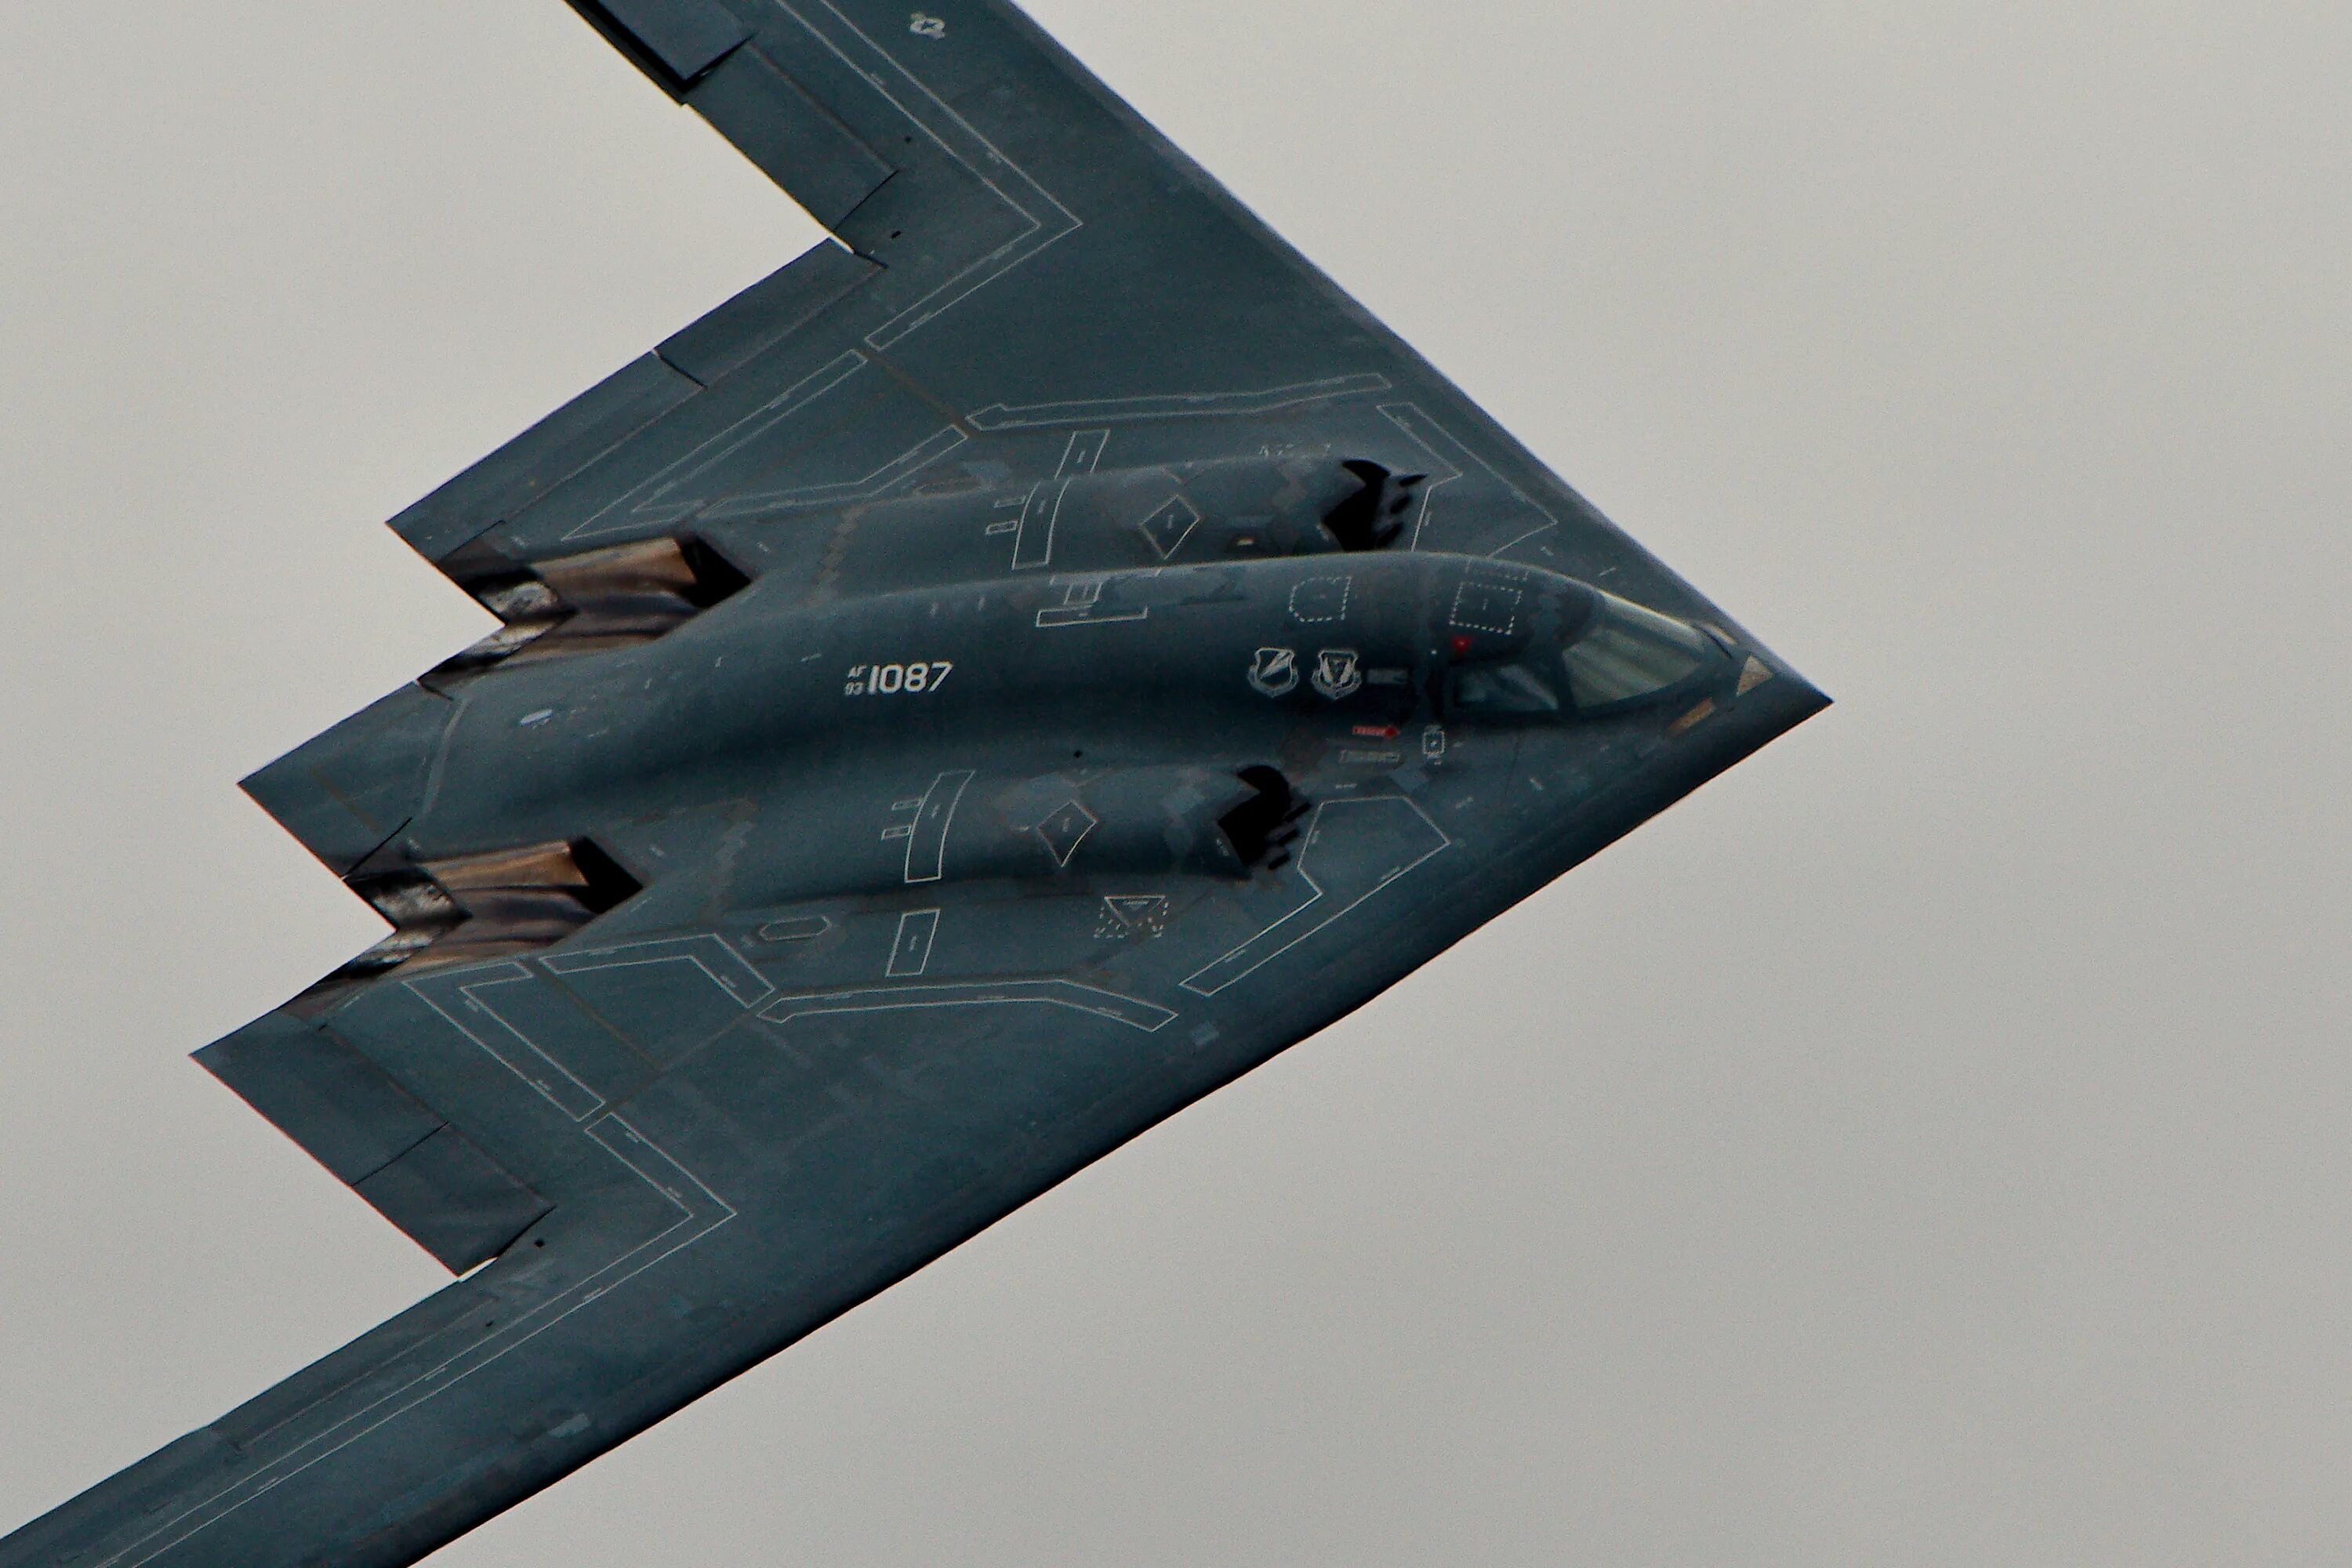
(1926, 1145)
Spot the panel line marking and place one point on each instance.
(926, 835)
(910, 949)
(684, 1191)
(1055, 221)
(1081, 605)
(1135, 1013)
(1085, 450)
(1173, 405)
(1032, 546)
(577, 1101)
(1430, 437)
(643, 501)
(1032, 543)
(1255, 949)
(898, 470)
(742, 982)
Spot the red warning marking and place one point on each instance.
(1378, 732)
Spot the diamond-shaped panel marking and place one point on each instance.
(1167, 528)
(1063, 828)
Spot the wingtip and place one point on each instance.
(348, 792)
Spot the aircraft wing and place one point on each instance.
(1021, 260)
(676, 1050)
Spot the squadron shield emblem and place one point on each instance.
(1336, 673)
(1274, 670)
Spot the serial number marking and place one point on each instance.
(885, 679)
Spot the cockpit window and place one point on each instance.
(1610, 654)
(1630, 652)
(1503, 688)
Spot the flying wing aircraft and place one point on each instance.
(1005, 675)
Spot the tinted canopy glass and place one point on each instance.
(1630, 652)
(1504, 688)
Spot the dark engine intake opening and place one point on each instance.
(1262, 827)
(1372, 517)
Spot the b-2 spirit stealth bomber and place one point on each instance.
(1001, 678)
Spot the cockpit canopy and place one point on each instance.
(1613, 654)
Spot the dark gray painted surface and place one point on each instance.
(740, 969)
